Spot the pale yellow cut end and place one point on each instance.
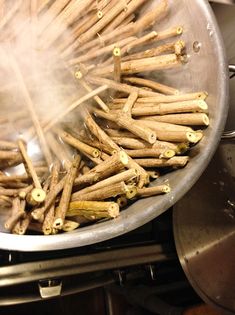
(58, 223)
(179, 30)
(202, 95)
(131, 192)
(203, 105)
(152, 138)
(117, 52)
(96, 153)
(78, 75)
(47, 231)
(169, 154)
(114, 210)
(192, 137)
(70, 226)
(99, 14)
(206, 120)
(123, 157)
(38, 195)
(166, 189)
(22, 194)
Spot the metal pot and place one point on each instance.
(206, 69)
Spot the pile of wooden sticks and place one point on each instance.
(134, 127)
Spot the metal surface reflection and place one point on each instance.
(204, 228)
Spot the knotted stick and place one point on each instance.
(66, 194)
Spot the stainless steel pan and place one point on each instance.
(206, 70)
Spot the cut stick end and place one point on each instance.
(114, 210)
(22, 194)
(96, 153)
(202, 105)
(202, 95)
(206, 120)
(123, 157)
(182, 148)
(78, 75)
(192, 137)
(38, 195)
(179, 30)
(166, 189)
(117, 52)
(99, 14)
(70, 226)
(58, 224)
(47, 231)
(131, 192)
(152, 138)
(169, 154)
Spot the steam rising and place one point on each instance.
(50, 83)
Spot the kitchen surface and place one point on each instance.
(180, 263)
